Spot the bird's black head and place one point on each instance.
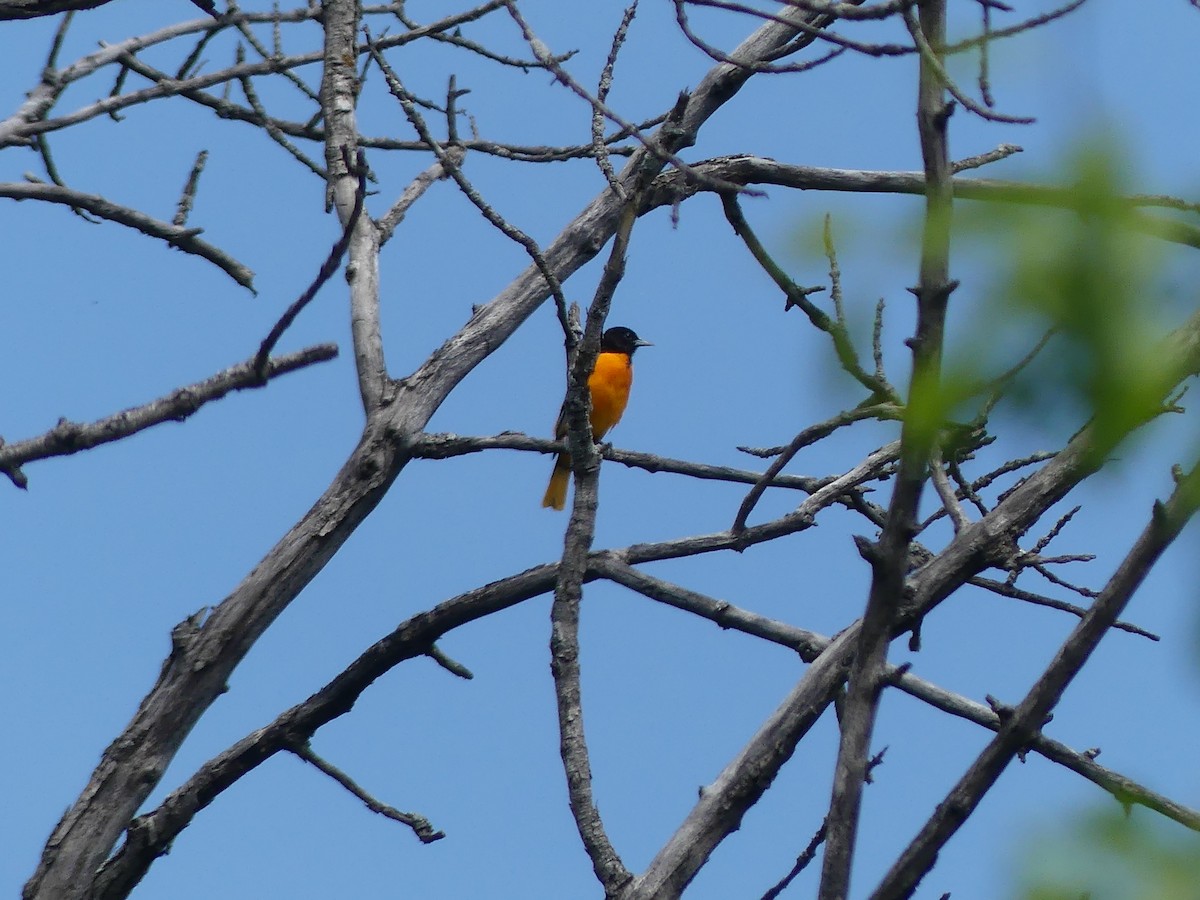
(621, 340)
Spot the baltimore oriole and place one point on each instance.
(609, 388)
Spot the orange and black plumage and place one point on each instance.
(608, 386)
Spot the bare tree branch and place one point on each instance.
(415, 190)
(150, 835)
(30, 118)
(807, 855)
(66, 437)
(598, 144)
(183, 209)
(568, 587)
(177, 236)
(888, 557)
(332, 261)
(420, 826)
(909, 579)
(444, 446)
(346, 186)
(447, 160)
(1015, 732)
(32, 9)
(805, 438)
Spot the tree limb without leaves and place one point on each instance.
(308, 102)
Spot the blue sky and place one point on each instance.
(110, 549)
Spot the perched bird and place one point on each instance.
(609, 388)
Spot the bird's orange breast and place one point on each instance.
(609, 386)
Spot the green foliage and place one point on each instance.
(1073, 264)
(1112, 856)
(1087, 275)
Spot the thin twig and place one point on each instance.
(331, 264)
(186, 199)
(415, 190)
(798, 296)
(420, 826)
(932, 59)
(756, 66)
(654, 147)
(598, 145)
(42, 143)
(274, 133)
(802, 861)
(806, 438)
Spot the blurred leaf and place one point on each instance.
(1089, 276)
(1112, 856)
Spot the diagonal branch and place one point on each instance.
(421, 827)
(32, 9)
(809, 645)
(449, 158)
(66, 437)
(150, 835)
(805, 438)
(1166, 522)
(177, 236)
(415, 190)
(332, 261)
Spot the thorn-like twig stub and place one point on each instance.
(1003, 711)
(450, 665)
(867, 548)
(944, 114)
(872, 763)
(914, 638)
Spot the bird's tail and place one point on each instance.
(556, 491)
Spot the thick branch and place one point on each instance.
(32, 9)
(889, 556)
(339, 96)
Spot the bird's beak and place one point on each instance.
(640, 343)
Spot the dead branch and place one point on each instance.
(1166, 522)
(67, 438)
(177, 236)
